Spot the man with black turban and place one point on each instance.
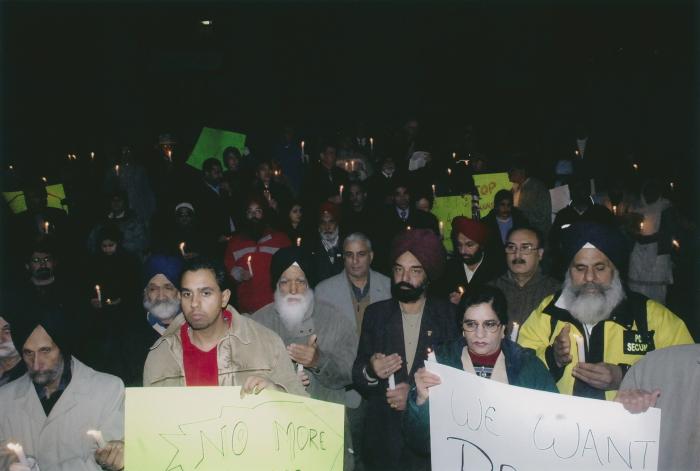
(615, 327)
(50, 409)
(395, 339)
(320, 340)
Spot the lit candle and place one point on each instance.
(392, 382)
(19, 451)
(352, 165)
(170, 155)
(99, 293)
(250, 264)
(44, 179)
(46, 227)
(302, 150)
(346, 165)
(676, 244)
(460, 290)
(635, 166)
(433, 186)
(341, 190)
(641, 226)
(12, 167)
(454, 155)
(371, 144)
(116, 170)
(449, 172)
(672, 185)
(431, 355)
(298, 241)
(182, 248)
(615, 210)
(300, 368)
(70, 157)
(92, 156)
(576, 152)
(581, 349)
(466, 163)
(408, 228)
(97, 435)
(442, 228)
(514, 332)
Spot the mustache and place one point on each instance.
(518, 261)
(405, 284)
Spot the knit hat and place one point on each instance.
(607, 239)
(330, 208)
(285, 258)
(425, 245)
(166, 265)
(474, 230)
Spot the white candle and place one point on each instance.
(449, 172)
(19, 451)
(46, 227)
(300, 368)
(672, 185)
(676, 244)
(182, 248)
(302, 150)
(635, 166)
(250, 264)
(116, 170)
(44, 179)
(298, 241)
(581, 349)
(431, 355)
(408, 228)
(454, 155)
(341, 190)
(615, 210)
(442, 228)
(97, 435)
(514, 332)
(433, 190)
(99, 293)
(92, 156)
(371, 144)
(392, 382)
(170, 155)
(460, 289)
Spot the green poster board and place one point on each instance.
(211, 143)
(213, 429)
(446, 208)
(55, 199)
(489, 184)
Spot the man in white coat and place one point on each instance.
(351, 291)
(50, 409)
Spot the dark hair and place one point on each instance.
(486, 295)
(41, 244)
(210, 163)
(232, 150)
(358, 183)
(326, 144)
(502, 195)
(205, 263)
(108, 232)
(537, 232)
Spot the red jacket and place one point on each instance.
(256, 292)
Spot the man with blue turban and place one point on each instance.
(592, 331)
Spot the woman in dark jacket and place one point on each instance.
(483, 350)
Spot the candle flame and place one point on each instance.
(461, 290)
(676, 244)
(298, 241)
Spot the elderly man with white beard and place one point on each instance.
(11, 367)
(594, 329)
(319, 338)
(161, 301)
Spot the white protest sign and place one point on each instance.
(479, 424)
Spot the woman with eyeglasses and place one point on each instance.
(483, 350)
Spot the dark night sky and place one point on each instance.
(78, 77)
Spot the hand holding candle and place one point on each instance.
(19, 451)
(97, 435)
(431, 355)
(514, 332)
(298, 241)
(392, 382)
(250, 264)
(182, 248)
(581, 349)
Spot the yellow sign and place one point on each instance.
(212, 429)
(446, 208)
(56, 195)
(489, 184)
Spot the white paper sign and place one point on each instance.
(478, 424)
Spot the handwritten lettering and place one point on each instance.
(461, 417)
(297, 438)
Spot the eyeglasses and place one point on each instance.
(525, 249)
(489, 326)
(38, 260)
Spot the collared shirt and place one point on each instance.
(403, 213)
(48, 402)
(358, 293)
(470, 273)
(154, 322)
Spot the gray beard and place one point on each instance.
(7, 350)
(592, 307)
(47, 377)
(162, 310)
(292, 314)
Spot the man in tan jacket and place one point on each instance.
(212, 344)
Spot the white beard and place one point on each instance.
(292, 313)
(7, 350)
(592, 307)
(162, 310)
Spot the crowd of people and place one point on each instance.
(327, 276)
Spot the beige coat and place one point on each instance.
(247, 349)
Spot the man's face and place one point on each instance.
(108, 247)
(293, 297)
(388, 166)
(591, 269)
(402, 198)
(409, 277)
(328, 157)
(504, 209)
(264, 173)
(523, 254)
(423, 204)
(161, 297)
(469, 250)
(254, 211)
(116, 204)
(42, 357)
(231, 162)
(357, 258)
(183, 217)
(214, 174)
(40, 266)
(516, 175)
(7, 348)
(293, 281)
(202, 299)
(357, 197)
(327, 224)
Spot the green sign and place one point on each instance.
(446, 208)
(55, 199)
(211, 143)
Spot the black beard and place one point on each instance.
(409, 295)
(476, 258)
